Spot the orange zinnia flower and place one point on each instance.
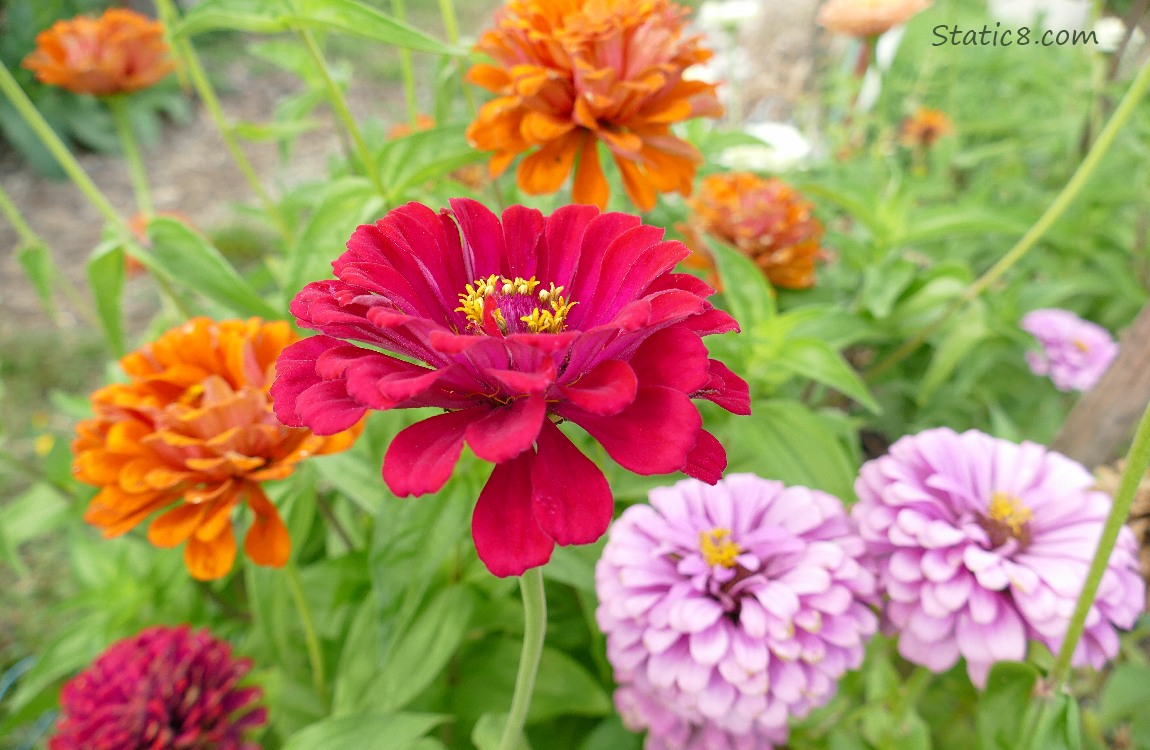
(868, 18)
(193, 432)
(766, 219)
(572, 73)
(925, 126)
(119, 52)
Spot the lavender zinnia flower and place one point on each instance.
(730, 609)
(983, 545)
(162, 688)
(1075, 352)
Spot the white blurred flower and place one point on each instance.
(783, 148)
(1056, 14)
(726, 14)
(1110, 31)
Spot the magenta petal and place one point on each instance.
(326, 408)
(421, 457)
(607, 389)
(573, 503)
(295, 373)
(507, 431)
(707, 459)
(507, 536)
(674, 357)
(726, 389)
(654, 435)
(518, 382)
(483, 249)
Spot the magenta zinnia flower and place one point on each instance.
(1075, 352)
(512, 328)
(731, 609)
(983, 545)
(163, 688)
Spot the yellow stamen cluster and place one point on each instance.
(1010, 512)
(717, 547)
(472, 303)
(1081, 346)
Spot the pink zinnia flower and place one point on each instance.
(514, 327)
(731, 609)
(1075, 352)
(162, 688)
(983, 545)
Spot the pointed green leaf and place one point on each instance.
(747, 295)
(365, 731)
(813, 359)
(343, 205)
(361, 19)
(37, 263)
(1003, 708)
(106, 277)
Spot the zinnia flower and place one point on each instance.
(983, 545)
(162, 689)
(119, 52)
(731, 609)
(868, 18)
(924, 127)
(1075, 352)
(511, 329)
(766, 219)
(572, 73)
(193, 432)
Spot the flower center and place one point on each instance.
(1081, 346)
(1007, 518)
(498, 305)
(717, 547)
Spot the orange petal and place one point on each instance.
(590, 185)
(175, 526)
(638, 188)
(538, 127)
(545, 170)
(213, 559)
(488, 77)
(267, 541)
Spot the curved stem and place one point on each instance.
(399, 10)
(1054, 212)
(451, 27)
(119, 106)
(190, 63)
(339, 107)
(311, 640)
(534, 630)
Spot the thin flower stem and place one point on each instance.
(1137, 461)
(534, 630)
(190, 63)
(1054, 212)
(451, 27)
(26, 234)
(311, 640)
(339, 107)
(399, 10)
(119, 106)
(56, 147)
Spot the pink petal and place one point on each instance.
(573, 503)
(295, 373)
(606, 389)
(654, 435)
(482, 238)
(564, 236)
(421, 457)
(726, 389)
(507, 431)
(673, 357)
(326, 408)
(507, 536)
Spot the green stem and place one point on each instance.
(1054, 212)
(451, 27)
(399, 10)
(190, 62)
(534, 630)
(1137, 461)
(56, 147)
(339, 107)
(311, 640)
(26, 234)
(119, 106)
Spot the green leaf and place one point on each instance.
(1126, 693)
(884, 283)
(106, 277)
(366, 731)
(961, 336)
(190, 260)
(489, 730)
(746, 293)
(424, 155)
(38, 511)
(253, 16)
(421, 653)
(37, 263)
(973, 221)
(341, 206)
(69, 652)
(1004, 705)
(575, 566)
(787, 441)
(611, 735)
(352, 17)
(813, 359)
